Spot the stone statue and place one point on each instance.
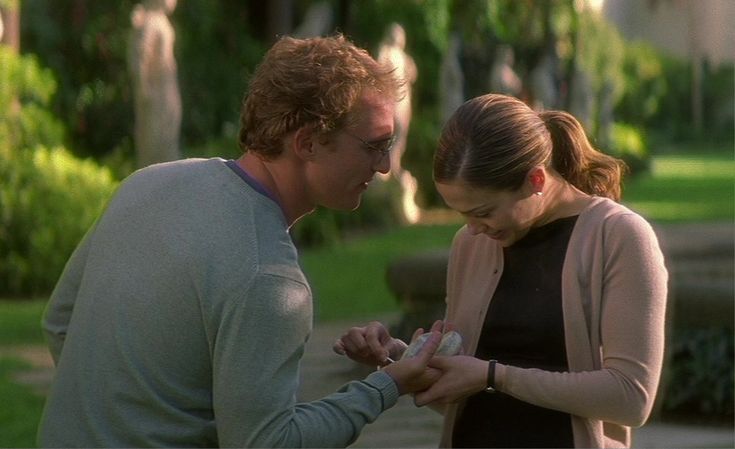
(581, 98)
(503, 79)
(451, 79)
(606, 105)
(543, 83)
(392, 52)
(155, 83)
(317, 21)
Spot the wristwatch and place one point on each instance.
(490, 387)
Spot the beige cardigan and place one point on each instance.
(614, 303)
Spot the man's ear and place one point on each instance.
(303, 142)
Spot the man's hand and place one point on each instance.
(371, 345)
(414, 374)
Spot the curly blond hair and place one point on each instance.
(308, 82)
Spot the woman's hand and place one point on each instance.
(461, 376)
(371, 345)
(413, 374)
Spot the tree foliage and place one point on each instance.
(26, 90)
(219, 43)
(48, 197)
(85, 44)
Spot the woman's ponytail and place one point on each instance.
(575, 159)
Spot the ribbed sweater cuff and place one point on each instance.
(381, 381)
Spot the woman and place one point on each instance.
(558, 291)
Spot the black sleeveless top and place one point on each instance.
(523, 327)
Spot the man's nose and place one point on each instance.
(383, 164)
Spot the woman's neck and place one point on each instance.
(560, 200)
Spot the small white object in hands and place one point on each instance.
(450, 345)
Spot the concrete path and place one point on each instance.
(404, 425)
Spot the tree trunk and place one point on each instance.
(10, 17)
(697, 57)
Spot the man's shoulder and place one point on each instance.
(181, 166)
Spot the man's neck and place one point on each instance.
(283, 180)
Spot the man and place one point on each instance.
(181, 317)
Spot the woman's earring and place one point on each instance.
(539, 193)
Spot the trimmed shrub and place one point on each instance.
(629, 144)
(26, 90)
(701, 374)
(48, 200)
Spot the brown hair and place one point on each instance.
(493, 141)
(315, 82)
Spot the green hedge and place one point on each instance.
(48, 199)
(700, 382)
(630, 144)
(26, 90)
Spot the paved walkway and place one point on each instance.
(404, 425)
(323, 372)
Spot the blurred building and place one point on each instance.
(699, 31)
(690, 29)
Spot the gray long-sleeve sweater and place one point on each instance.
(180, 320)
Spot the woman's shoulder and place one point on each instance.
(604, 208)
(611, 216)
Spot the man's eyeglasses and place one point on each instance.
(382, 147)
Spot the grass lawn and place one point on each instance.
(21, 408)
(348, 280)
(684, 188)
(20, 321)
